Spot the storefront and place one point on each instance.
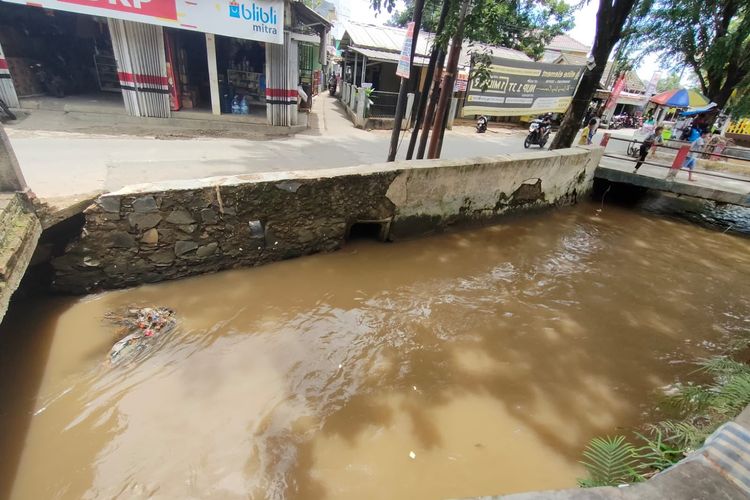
(56, 53)
(241, 68)
(173, 55)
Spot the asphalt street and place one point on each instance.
(59, 163)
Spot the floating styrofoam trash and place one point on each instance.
(412, 455)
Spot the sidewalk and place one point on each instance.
(104, 113)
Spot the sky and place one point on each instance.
(584, 30)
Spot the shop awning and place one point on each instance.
(309, 18)
(387, 57)
(698, 111)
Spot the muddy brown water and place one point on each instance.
(490, 356)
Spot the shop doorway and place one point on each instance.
(59, 54)
(187, 70)
(241, 66)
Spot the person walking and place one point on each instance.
(648, 143)
(696, 149)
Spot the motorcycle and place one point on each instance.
(482, 125)
(622, 121)
(538, 134)
(332, 87)
(52, 83)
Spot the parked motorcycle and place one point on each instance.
(51, 82)
(623, 121)
(482, 125)
(539, 131)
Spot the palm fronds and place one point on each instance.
(704, 407)
(610, 461)
(722, 366)
(683, 434)
(733, 395)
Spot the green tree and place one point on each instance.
(613, 19)
(525, 25)
(669, 82)
(401, 18)
(711, 37)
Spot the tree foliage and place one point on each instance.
(613, 19)
(711, 37)
(525, 25)
(669, 82)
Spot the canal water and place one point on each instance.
(473, 363)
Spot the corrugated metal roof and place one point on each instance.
(568, 59)
(384, 38)
(387, 39)
(467, 48)
(633, 82)
(563, 43)
(390, 57)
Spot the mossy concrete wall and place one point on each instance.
(19, 233)
(170, 230)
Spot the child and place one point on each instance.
(696, 149)
(586, 133)
(649, 142)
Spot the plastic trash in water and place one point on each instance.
(412, 455)
(139, 327)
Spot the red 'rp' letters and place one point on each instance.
(163, 9)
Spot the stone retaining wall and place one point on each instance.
(150, 233)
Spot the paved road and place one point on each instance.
(59, 164)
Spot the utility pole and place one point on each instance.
(450, 81)
(434, 56)
(401, 102)
(429, 116)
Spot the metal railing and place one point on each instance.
(383, 104)
(674, 154)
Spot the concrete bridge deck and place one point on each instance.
(724, 179)
(715, 186)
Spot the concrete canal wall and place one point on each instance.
(19, 233)
(156, 232)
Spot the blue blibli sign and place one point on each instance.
(263, 20)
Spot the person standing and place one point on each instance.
(586, 135)
(696, 149)
(649, 142)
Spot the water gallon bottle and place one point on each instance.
(236, 105)
(244, 108)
